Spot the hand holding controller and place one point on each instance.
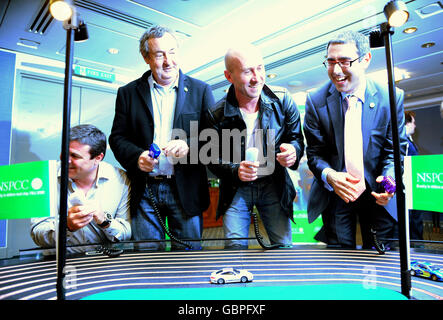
(248, 168)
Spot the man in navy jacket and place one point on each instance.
(333, 192)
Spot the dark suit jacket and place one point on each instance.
(133, 132)
(324, 131)
(412, 148)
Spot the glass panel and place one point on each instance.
(97, 108)
(38, 119)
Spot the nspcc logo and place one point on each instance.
(430, 177)
(17, 185)
(21, 185)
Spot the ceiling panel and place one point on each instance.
(291, 37)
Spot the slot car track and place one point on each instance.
(88, 275)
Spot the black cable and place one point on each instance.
(378, 245)
(258, 236)
(110, 252)
(160, 219)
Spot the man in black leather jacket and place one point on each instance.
(253, 115)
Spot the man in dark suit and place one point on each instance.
(415, 216)
(159, 107)
(412, 149)
(349, 157)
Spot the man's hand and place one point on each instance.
(78, 217)
(145, 162)
(287, 156)
(248, 170)
(344, 185)
(176, 148)
(381, 199)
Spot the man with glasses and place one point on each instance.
(349, 147)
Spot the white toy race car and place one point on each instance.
(230, 275)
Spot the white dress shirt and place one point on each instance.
(112, 190)
(164, 100)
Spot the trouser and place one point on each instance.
(146, 225)
(237, 219)
(340, 221)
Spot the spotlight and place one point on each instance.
(81, 33)
(61, 10)
(396, 12)
(376, 39)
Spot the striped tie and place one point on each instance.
(354, 143)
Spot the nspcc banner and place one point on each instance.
(28, 190)
(424, 182)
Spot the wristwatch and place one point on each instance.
(107, 221)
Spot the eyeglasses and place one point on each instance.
(343, 64)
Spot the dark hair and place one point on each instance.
(154, 32)
(360, 41)
(408, 116)
(89, 135)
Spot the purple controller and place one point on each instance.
(388, 184)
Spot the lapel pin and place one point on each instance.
(372, 105)
(186, 89)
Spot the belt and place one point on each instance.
(265, 179)
(160, 178)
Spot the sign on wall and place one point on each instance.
(423, 181)
(28, 190)
(94, 74)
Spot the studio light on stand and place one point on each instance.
(61, 10)
(396, 14)
(75, 31)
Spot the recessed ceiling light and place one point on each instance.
(428, 44)
(28, 43)
(294, 83)
(272, 75)
(113, 51)
(410, 30)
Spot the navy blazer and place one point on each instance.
(133, 132)
(412, 148)
(324, 132)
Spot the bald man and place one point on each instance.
(261, 117)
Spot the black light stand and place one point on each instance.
(403, 230)
(378, 39)
(75, 31)
(63, 213)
